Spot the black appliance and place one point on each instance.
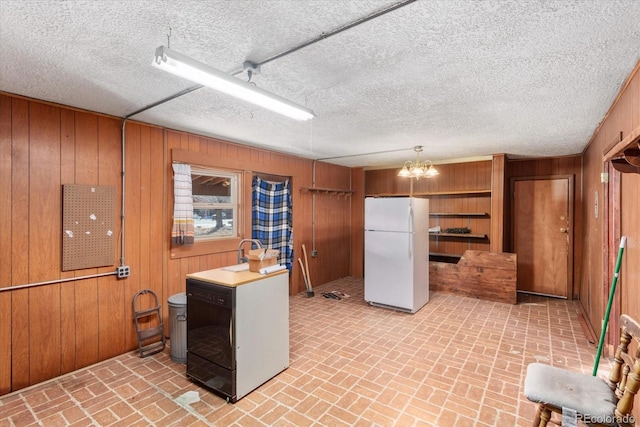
(211, 358)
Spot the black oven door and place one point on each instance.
(210, 334)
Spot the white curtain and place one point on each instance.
(182, 232)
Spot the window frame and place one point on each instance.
(234, 205)
(215, 246)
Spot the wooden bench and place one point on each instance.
(478, 274)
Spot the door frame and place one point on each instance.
(570, 201)
(612, 233)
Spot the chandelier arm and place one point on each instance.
(418, 169)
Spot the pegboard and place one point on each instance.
(87, 226)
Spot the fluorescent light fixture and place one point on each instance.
(188, 68)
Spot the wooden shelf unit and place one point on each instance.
(479, 214)
(475, 187)
(439, 238)
(454, 193)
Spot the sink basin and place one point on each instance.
(237, 267)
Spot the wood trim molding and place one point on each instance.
(498, 173)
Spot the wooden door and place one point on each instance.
(542, 234)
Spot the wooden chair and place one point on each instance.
(597, 402)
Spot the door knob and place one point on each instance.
(564, 230)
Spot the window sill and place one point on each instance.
(205, 248)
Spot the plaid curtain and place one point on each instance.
(272, 217)
(182, 232)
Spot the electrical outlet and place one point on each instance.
(314, 253)
(123, 271)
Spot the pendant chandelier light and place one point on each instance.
(418, 169)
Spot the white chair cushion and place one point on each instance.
(561, 388)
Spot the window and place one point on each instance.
(215, 203)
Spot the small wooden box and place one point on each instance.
(261, 258)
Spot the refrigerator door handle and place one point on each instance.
(410, 229)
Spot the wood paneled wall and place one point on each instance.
(624, 209)
(569, 165)
(56, 328)
(53, 329)
(357, 223)
(386, 182)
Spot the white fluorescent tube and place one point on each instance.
(183, 66)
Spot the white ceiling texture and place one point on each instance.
(463, 78)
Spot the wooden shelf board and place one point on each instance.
(458, 214)
(443, 255)
(387, 195)
(460, 235)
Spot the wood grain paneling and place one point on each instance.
(498, 206)
(5, 243)
(111, 295)
(619, 199)
(60, 327)
(332, 219)
(44, 241)
(386, 182)
(478, 274)
(19, 243)
(623, 116)
(357, 223)
(67, 290)
(86, 292)
(630, 227)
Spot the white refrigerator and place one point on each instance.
(396, 252)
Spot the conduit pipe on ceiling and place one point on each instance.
(326, 35)
(323, 36)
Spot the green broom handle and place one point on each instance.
(605, 322)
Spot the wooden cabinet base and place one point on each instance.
(479, 274)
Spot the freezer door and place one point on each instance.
(387, 214)
(389, 269)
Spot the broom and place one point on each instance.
(310, 292)
(605, 322)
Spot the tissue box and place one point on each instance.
(260, 258)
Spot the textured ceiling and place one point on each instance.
(462, 78)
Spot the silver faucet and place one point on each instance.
(242, 259)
